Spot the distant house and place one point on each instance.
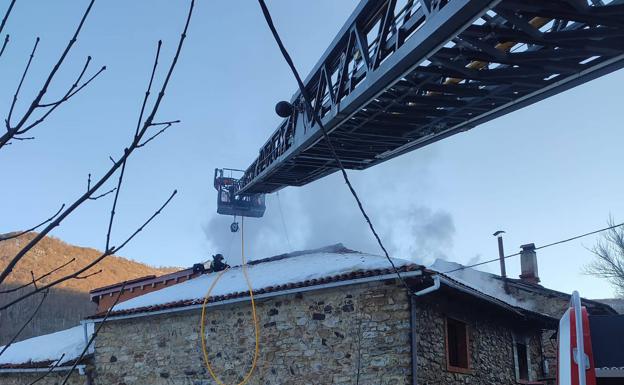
(336, 316)
(105, 296)
(53, 354)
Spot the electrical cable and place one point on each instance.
(247, 376)
(279, 203)
(537, 248)
(278, 40)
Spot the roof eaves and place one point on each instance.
(309, 285)
(547, 291)
(45, 365)
(449, 281)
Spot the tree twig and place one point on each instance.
(114, 206)
(89, 275)
(95, 333)
(155, 135)
(102, 195)
(6, 15)
(135, 142)
(105, 254)
(19, 234)
(21, 125)
(50, 370)
(38, 279)
(43, 298)
(19, 86)
(4, 44)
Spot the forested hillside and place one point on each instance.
(67, 303)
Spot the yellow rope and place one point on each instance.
(253, 312)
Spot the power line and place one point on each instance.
(537, 248)
(279, 203)
(317, 120)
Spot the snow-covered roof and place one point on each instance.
(47, 349)
(486, 283)
(524, 296)
(306, 268)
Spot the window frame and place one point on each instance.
(518, 338)
(449, 367)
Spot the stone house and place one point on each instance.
(334, 316)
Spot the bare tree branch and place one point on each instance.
(19, 234)
(19, 85)
(112, 213)
(6, 15)
(43, 298)
(609, 258)
(95, 333)
(155, 135)
(33, 280)
(22, 126)
(149, 89)
(89, 275)
(134, 145)
(108, 252)
(44, 375)
(4, 44)
(75, 88)
(38, 279)
(102, 195)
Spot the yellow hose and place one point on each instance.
(253, 312)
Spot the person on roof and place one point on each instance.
(218, 263)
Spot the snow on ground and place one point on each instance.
(270, 273)
(486, 283)
(48, 347)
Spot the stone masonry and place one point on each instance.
(346, 335)
(318, 337)
(490, 343)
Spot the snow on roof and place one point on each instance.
(486, 283)
(283, 269)
(47, 349)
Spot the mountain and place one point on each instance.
(67, 303)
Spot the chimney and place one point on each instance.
(528, 264)
(501, 252)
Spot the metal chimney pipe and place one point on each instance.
(501, 252)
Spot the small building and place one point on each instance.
(105, 296)
(51, 355)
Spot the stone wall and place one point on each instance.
(319, 337)
(309, 338)
(490, 342)
(53, 378)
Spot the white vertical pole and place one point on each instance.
(580, 347)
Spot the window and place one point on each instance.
(523, 361)
(521, 358)
(457, 354)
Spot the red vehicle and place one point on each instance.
(591, 347)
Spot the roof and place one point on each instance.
(538, 301)
(46, 350)
(269, 275)
(481, 281)
(118, 285)
(616, 303)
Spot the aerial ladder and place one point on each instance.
(402, 74)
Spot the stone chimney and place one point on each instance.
(528, 264)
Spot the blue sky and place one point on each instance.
(546, 172)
